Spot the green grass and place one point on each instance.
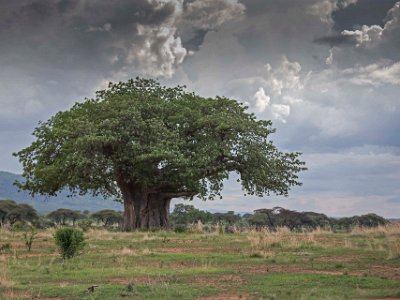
(168, 265)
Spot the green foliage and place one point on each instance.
(85, 225)
(69, 241)
(180, 228)
(61, 215)
(187, 214)
(108, 217)
(5, 248)
(183, 215)
(368, 220)
(228, 218)
(12, 212)
(162, 139)
(5, 207)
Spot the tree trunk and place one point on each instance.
(143, 210)
(151, 211)
(129, 214)
(127, 195)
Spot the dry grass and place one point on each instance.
(5, 281)
(394, 248)
(260, 240)
(100, 234)
(387, 230)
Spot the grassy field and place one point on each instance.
(363, 264)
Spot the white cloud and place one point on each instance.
(329, 59)
(324, 8)
(372, 42)
(375, 74)
(211, 14)
(262, 100)
(285, 76)
(280, 112)
(159, 51)
(366, 36)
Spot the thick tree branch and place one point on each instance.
(177, 194)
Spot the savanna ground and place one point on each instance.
(363, 264)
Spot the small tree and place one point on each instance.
(69, 241)
(23, 213)
(186, 214)
(5, 207)
(29, 236)
(62, 215)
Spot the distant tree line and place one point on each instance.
(184, 216)
(12, 213)
(272, 219)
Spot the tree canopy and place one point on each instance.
(61, 215)
(11, 212)
(146, 144)
(107, 216)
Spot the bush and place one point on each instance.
(69, 241)
(19, 226)
(5, 248)
(85, 225)
(180, 228)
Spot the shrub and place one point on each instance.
(180, 228)
(5, 248)
(69, 241)
(85, 225)
(29, 235)
(19, 226)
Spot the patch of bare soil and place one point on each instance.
(385, 299)
(4, 257)
(288, 269)
(339, 259)
(221, 280)
(60, 283)
(186, 250)
(39, 254)
(142, 280)
(227, 296)
(41, 298)
(380, 271)
(376, 270)
(37, 244)
(176, 241)
(272, 268)
(11, 294)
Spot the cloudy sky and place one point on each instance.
(327, 72)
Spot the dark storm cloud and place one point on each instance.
(195, 39)
(337, 39)
(364, 12)
(67, 34)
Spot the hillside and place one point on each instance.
(46, 204)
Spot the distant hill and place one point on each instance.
(43, 204)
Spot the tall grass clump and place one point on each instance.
(391, 229)
(5, 281)
(69, 241)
